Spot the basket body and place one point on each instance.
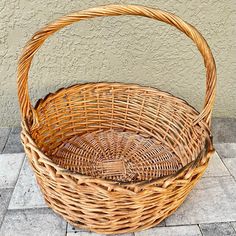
(112, 157)
(107, 206)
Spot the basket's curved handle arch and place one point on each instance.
(27, 110)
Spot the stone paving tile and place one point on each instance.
(217, 229)
(5, 195)
(4, 132)
(212, 200)
(13, 144)
(33, 222)
(10, 165)
(224, 130)
(226, 150)
(231, 165)
(26, 193)
(216, 167)
(190, 230)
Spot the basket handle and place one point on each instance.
(28, 112)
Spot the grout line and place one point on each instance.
(66, 228)
(228, 168)
(232, 227)
(202, 223)
(164, 223)
(7, 187)
(32, 209)
(225, 143)
(200, 229)
(29, 208)
(4, 146)
(215, 176)
(191, 224)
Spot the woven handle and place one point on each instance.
(28, 112)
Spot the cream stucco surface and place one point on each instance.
(123, 49)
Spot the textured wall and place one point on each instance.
(125, 49)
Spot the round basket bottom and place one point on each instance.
(117, 155)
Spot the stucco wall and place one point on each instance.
(124, 49)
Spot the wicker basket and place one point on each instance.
(114, 157)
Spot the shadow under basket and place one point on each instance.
(114, 157)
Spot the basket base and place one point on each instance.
(117, 155)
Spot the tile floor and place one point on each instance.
(209, 210)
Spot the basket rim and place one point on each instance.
(131, 85)
(207, 148)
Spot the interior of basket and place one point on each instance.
(117, 131)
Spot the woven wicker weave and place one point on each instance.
(112, 157)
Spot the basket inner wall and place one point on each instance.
(116, 114)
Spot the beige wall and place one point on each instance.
(124, 49)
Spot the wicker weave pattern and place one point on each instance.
(111, 157)
(119, 156)
(103, 106)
